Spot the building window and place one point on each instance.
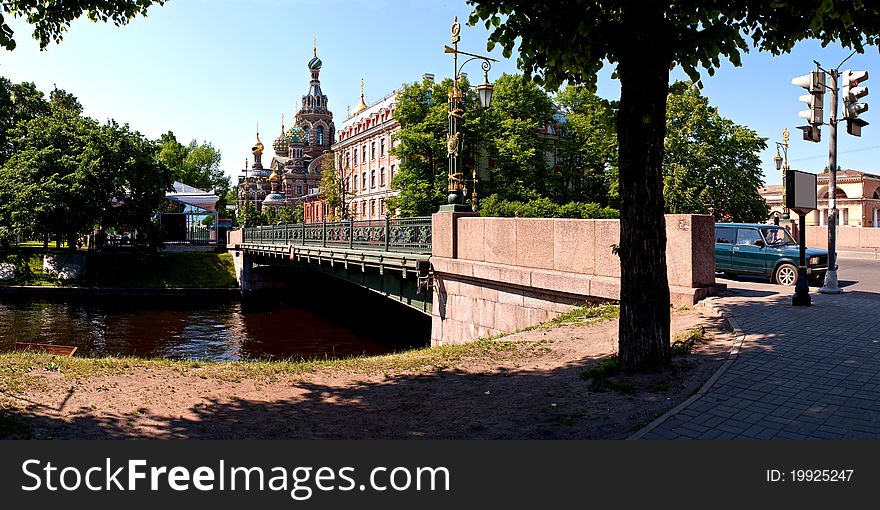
(320, 135)
(372, 208)
(364, 180)
(354, 183)
(382, 207)
(382, 148)
(392, 172)
(363, 208)
(355, 157)
(299, 189)
(382, 176)
(364, 153)
(348, 159)
(372, 178)
(373, 150)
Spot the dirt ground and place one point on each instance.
(534, 393)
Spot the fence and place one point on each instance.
(411, 235)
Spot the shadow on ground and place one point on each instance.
(507, 403)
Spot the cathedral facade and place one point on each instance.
(294, 172)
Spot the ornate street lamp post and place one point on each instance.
(454, 141)
(782, 164)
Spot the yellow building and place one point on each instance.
(858, 199)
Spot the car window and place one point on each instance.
(724, 235)
(777, 236)
(747, 236)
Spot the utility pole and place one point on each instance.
(830, 286)
(851, 92)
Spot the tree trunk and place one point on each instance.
(644, 289)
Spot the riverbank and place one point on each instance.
(114, 271)
(552, 381)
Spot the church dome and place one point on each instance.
(274, 199)
(315, 63)
(296, 135)
(275, 177)
(258, 147)
(280, 144)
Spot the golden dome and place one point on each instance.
(258, 147)
(275, 177)
(363, 106)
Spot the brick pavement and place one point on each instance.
(800, 373)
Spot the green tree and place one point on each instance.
(334, 192)
(645, 40)
(299, 213)
(51, 18)
(519, 110)
(588, 149)
(285, 214)
(196, 165)
(69, 175)
(248, 216)
(710, 164)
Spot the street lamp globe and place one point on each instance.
(485, 90)
(778, 160)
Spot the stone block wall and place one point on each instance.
(847, 237)
(497, 275)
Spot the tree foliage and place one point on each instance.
(196, 164)
(588, 152)
(518, 155)
(51, 18)
(334, 191)
(710, 165)
(70, 175)
(644, 40)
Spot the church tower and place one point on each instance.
(314, 117)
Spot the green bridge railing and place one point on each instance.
(409, 235)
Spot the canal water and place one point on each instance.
(270, 326)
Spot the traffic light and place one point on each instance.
(811, 133)
(815, 85)
(852, 92)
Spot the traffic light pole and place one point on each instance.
(830, 286)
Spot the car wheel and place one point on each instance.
(786, 274)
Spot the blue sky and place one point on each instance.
(211, 69)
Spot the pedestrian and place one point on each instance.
(794, 231)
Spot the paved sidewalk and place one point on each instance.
(801, 372)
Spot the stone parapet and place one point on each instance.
(496, 275)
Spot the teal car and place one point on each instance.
(764, 250)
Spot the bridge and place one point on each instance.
(386, 256)
(476, 276)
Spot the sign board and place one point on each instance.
(800, 190)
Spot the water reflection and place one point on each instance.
(270, 327)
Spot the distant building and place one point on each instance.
(858, 199)
(299, 153)
(364, 161)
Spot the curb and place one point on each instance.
(862, 255)
(731, 358)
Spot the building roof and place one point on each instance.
(382, 104)
(196, 197)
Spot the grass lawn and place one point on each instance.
(167, 270)
(130, 270)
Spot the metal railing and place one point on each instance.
(410, 235)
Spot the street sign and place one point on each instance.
(800, 191)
